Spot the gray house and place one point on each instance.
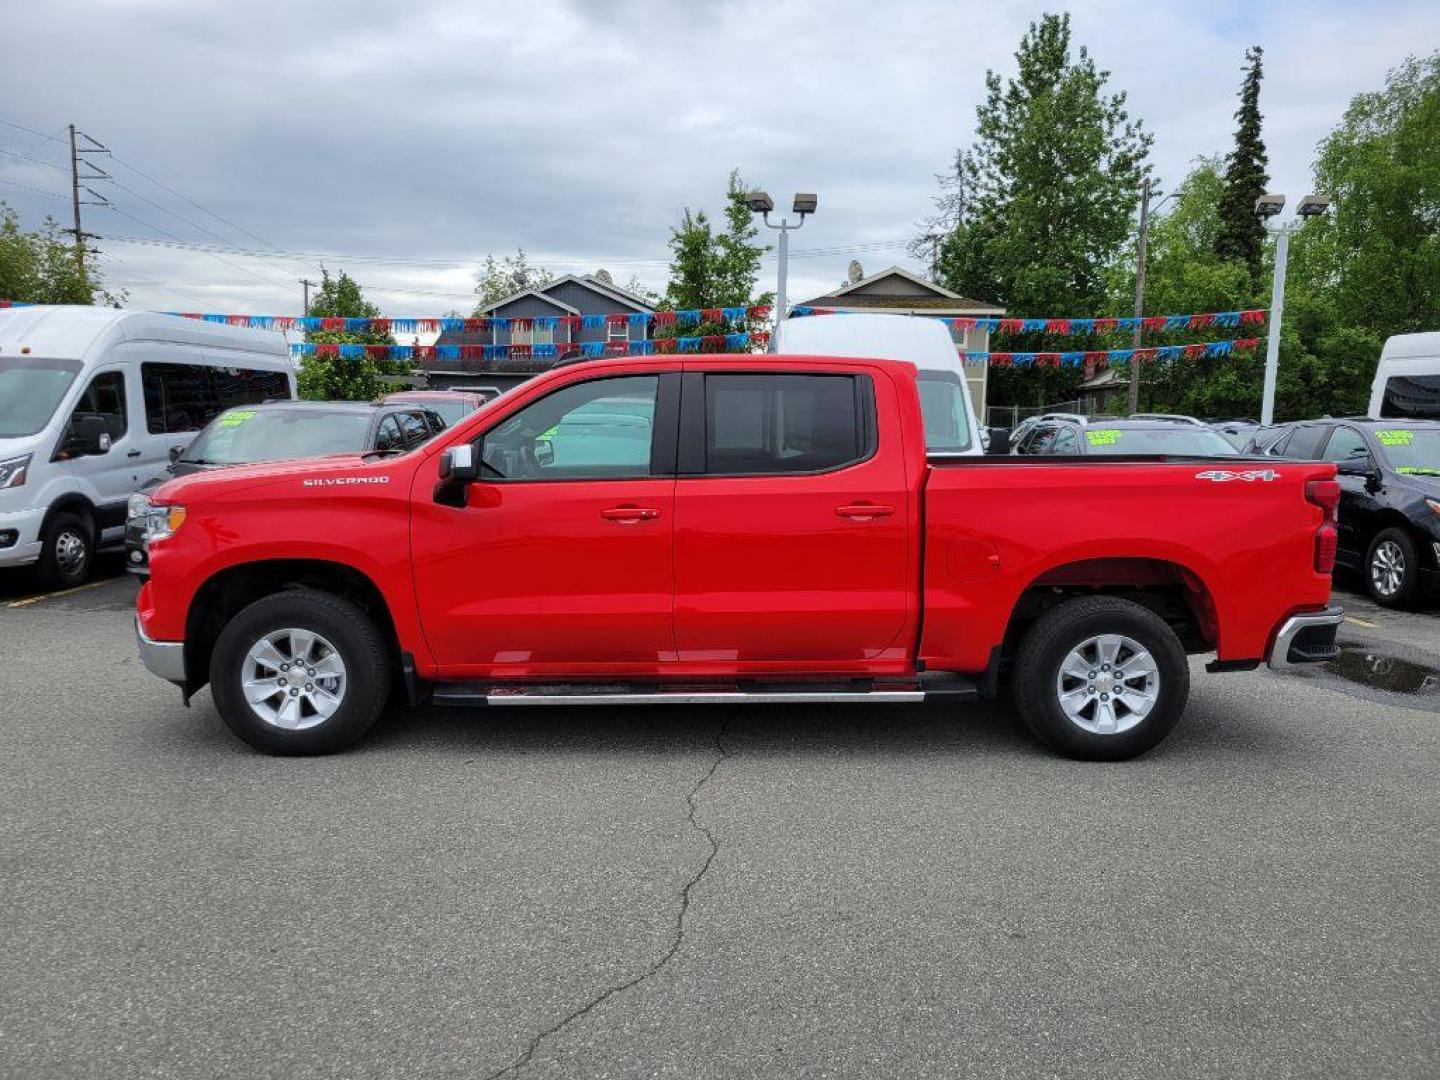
(897, 291)
(550, 319)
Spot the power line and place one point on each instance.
(192, 202)
(36, 190)
(227, 262)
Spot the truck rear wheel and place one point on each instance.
(1101, 678)
(300, 672)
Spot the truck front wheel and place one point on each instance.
(1101, 678)
(300, 672)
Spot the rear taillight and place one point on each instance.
(1326, 495)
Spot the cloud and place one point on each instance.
(437, 131)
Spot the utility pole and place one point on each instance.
(96, 173)
(1139, 293)
(308, 285)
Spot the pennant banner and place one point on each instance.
(740, 342)
(634, 320)
(1068, 327)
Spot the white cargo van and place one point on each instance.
(92, 402)
(1407, 379)
(950, 427)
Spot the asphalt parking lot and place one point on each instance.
(813, 892)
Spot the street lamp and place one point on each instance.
(1268, 206)
(761, 203)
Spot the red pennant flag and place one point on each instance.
(1057, 326)
(1011, 326)
(1103, 326)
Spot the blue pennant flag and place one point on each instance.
(1082, 326)
(1227, 318)
(357, 326)
(494, 352)
(737, 341)
(1127, 323)
(977, 357)
(214, 318)
(302, 348)
(447, 352)
(1177, 322)
(497, 322)
(799, 311)
(544, 322)
(352, 352)
(1169, 352)
(642, 348)
(1072, 359)
(592, 348)
(592, 322)
(688, 344)
(1219, 348)
(401, 352)
(1033, 324)
(403, 326)
(990, 325)
(639, 320)
(1121, 356)
(688, 315)
(452, 326)
(734, 314)
(543, 352)
(1022, 359)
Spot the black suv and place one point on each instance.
(1389, 472)
(283, 431)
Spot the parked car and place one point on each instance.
(92, 402)
(1027, 425)
(1102, 436)
(279, 431)
(766, 529)
(452, 405)
(1407, 379)
(1237, 433)
(1264, 438)
(1389, 473)
(1172, 418)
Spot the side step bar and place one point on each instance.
(931, 686)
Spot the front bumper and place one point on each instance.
(20, 536)
(163, 658)
(137, 548)
(1306, 639)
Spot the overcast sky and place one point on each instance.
(403, 142)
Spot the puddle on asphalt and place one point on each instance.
(1366, 667)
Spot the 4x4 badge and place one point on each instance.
(1220, 476)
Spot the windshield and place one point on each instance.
(1413, 451)
(1177, 439)
(1237, 437)
(30, 390)
(244, 436)
(451, 410)
(942, 404)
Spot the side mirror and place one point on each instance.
(1355, 466)
(458, 464)
(999, 441)
(89, 435)
(175, 452)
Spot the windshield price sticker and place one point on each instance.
(236, 418)
(1398, 437)
(1105, 437)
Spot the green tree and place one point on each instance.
(1044, 196)
(339, 378)
(1241, 235)
(506, 276)
(713, 270)
(39, 267)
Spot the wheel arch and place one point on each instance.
(233, 588)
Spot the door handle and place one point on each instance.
(630, 515)
(133, 453)
(864, 511)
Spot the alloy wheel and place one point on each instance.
(1387, 568)
(293, 679)
(1107, 684)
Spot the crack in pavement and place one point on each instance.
(679, 935)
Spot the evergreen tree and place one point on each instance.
(1043, 197)
(1242, 236)
(501, 278)
(39, 267)
(341, 378)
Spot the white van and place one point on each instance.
(1407, 379)
(950, 427)
(92, 402)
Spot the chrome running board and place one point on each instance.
(888, 692)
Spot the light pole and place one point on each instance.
(1268, 206)
(762, 204)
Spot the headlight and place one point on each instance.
(12, 471)
(138, 506)
(1434, 504)
(161, 521)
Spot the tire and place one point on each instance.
(1108, 730)
(293, 720)
(67, 553)
(1392, 569)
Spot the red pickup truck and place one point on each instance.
(731, 529)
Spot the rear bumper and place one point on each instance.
(163, 658)
(1306, 639)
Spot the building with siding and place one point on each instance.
(565, 300)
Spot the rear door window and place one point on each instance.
(1345, 444)
(1305, 441)
(1411, 397)
(764, 424)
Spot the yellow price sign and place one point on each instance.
(1398, 437)
(236, 418)
(1103, 437)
